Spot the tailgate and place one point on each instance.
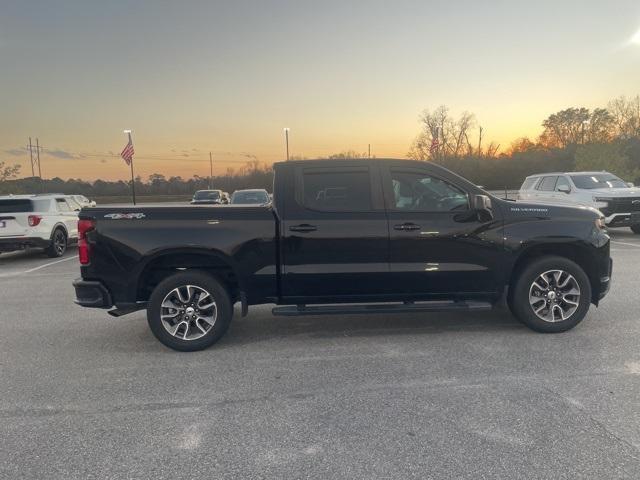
(13, 225)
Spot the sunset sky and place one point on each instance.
(193, 77)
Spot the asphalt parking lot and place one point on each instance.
(471, 396)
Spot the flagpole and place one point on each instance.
(133, 181)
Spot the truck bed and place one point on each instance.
(128, 241)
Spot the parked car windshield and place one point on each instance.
(207, 195)
(249, 197)
(529, 183)
(598, 180)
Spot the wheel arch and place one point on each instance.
(61, 226)
(577, 253)
(166, 263)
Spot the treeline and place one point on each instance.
(252, 175)
(606, 138)
(572, 139)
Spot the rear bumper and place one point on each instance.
(10, 244)
(91, 293)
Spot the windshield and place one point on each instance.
(249, 197)
(207, 195)
(598, 180)
(17, 205)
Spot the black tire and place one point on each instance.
(635, 228)
(199, 280)
(524, 311)
(58, 243)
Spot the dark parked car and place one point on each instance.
(211, 197)
(344, 237)
(250, 197)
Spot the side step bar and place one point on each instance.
(127, 309)
(436, 306)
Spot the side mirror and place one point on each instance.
(482, 205)
(564, 189)
(630, 184)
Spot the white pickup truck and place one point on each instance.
(618, 201)
(39, 221)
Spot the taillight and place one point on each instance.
(34, 220)
(84, 249)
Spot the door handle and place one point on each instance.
(305, 227)
(407, 226)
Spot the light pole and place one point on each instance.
(210, 171)
(286, 140)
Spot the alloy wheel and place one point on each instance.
(59, 242)
(188, 312)
(554, 296)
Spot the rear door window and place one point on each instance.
(41, 205)
(563, 182)
(336, 189)
(548, 184)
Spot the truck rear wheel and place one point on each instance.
(552, 294)
(636, 228)
(189, 311)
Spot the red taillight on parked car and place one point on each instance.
(34, 220)
(84, 249)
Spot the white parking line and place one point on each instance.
(623, 243)
(12, 274)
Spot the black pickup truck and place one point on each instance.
(344, 237)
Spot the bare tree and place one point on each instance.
(520, 145)
(492, 149)
(626, 116)
(452, 134)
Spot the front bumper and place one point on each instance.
(622, 219)
(11, 244)
(91, 293)
(605, 282)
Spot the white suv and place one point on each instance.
(618, 201)
(44, 221)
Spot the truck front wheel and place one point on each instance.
(189, 311)
(551, 294)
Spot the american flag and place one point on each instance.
(127, 153)
(435, 143)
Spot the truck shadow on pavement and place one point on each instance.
(262, 327)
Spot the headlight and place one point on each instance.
(600, 223)
(602, 202)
